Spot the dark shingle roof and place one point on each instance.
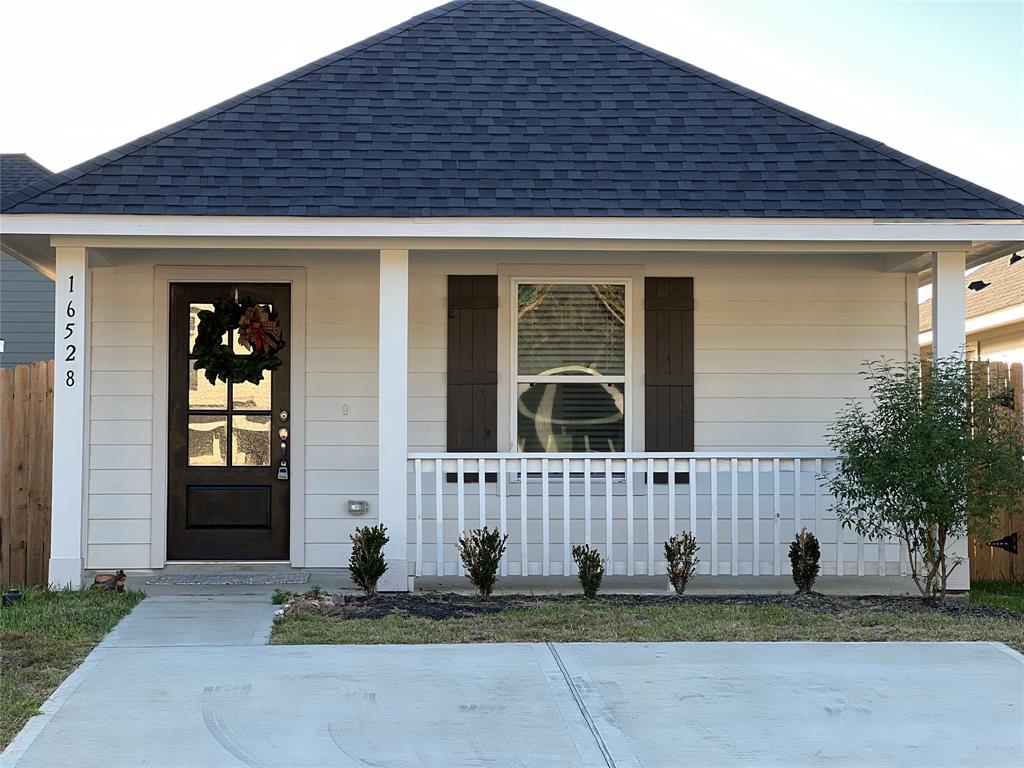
(19, 170)
(507, 108)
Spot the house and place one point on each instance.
(995, 312)
(494, 242)
(26, 296)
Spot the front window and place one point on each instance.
(570, 367)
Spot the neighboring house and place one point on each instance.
(995, 314)
(498, 240)
(26, 296)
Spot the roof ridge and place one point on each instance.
(55, 180)
(1007, 203)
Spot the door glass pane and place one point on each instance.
(207, 441)
(571, 417)
(193, 324)
(251, 441)
(204, 396)
(252, 397)
(571, 330)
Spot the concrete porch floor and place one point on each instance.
(337, 580)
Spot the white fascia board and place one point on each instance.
(722, 229)
(997, 319)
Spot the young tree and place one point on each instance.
(934, 456)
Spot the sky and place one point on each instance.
(943, 81)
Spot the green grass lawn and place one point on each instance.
(573, 620)
(1004, 594)
(43, 638)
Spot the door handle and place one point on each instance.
(282, 433)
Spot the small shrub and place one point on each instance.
(681, 554)
(281, 596)
(591, 569)
(804, 554)
(481, 550)
(366, 564)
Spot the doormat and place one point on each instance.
(219, 579)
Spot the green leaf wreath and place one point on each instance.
(258, 331)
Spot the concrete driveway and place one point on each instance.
(189, 682)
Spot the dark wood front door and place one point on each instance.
(227, 498)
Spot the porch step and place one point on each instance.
(230, 578)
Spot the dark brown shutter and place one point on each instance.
(472, 365)
(668, 355)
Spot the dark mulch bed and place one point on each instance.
(441, 606)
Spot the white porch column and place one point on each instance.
(70, 403)
(949, 335)
(949, 307)
(392, 420)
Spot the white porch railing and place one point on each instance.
(743, 508)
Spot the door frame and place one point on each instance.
(295, 277)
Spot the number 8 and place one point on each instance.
(70, 381)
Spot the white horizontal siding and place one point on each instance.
(341, 404)
(110, 556)
(778, 340)
(779, 343)
(121, 417)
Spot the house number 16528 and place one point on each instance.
(69, 333)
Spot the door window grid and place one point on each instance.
(224, 429)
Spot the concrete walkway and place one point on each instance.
(188, 681)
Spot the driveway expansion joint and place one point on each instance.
(605, 752)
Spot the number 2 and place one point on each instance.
(71, 353)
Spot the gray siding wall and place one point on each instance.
(26, 313)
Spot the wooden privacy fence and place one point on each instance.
(26, 440)
(992, 562)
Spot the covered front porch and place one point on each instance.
(780, 327)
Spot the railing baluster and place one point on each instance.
(503, 509)
(671, 497)
(714, 517)
(524, 551)
(545, 517)
(755, 516)
(797, 492)
(629, 517)
(735, 536)
(481, 476)
(693, 498)
(819, 514)
(586, 503)
(461, 486)
(650, 517)
(777, 503)
(609, 520)
(439, 512)
(418, 571)
(566, 519)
